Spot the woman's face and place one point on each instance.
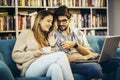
(46, 23)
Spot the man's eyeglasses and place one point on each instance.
(64, 21)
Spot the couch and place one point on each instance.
(9, 71)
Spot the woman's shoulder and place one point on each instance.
(26, 33)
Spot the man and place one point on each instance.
(76, 46)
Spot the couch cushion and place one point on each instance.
(118, 52)
(96, 42)
(34, 78)
(1, 57)
(76, 77)
(6, 50)
(5, 73)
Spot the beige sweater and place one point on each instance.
(24, 50)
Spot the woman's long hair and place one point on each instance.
(39, 34)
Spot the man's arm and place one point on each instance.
(82, 49)
(77, 57)
(78, 47)
(86, 52)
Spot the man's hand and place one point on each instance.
(76, 57)
(93, 55)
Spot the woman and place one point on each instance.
(28, 55)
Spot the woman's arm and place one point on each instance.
(20, 52)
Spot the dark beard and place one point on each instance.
(62, 29)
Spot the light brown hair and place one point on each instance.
(39, 34)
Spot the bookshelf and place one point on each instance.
(89, 16)
(7, 18)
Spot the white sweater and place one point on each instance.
(24, 50)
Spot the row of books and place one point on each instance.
(99, 21)
(101, 33)
(31, 2)
(95, 32)
(69, 3)
(8, 36)
(85, 21)
(6, 22)
(7, 2)
(26, 20)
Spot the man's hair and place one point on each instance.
(62, 11)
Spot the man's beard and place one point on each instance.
(62, 29)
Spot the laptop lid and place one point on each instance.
(109, 48)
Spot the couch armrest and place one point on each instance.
(1, 57)
(118, 52)
(5, 73)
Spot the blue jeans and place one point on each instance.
(91, 70)
(111, 69)
(110, 66)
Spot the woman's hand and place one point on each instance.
(38, 54)
(51, 39)
(67, 44)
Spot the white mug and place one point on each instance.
(46, 49)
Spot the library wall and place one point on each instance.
(89, 16)
(114, 17)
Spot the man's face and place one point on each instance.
(62, 23)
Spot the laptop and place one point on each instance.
(108, 51)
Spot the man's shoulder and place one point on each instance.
(77, 31)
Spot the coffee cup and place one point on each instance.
(46, 49)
